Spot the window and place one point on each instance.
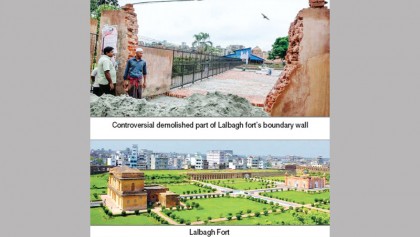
(132, 187)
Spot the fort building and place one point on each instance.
(126, 188)
(127, 191)
(232, 175)
(305, 182)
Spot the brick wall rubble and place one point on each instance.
(305, 78)
(292, 62)
(132, 29)
(317, 3)
(127, 27)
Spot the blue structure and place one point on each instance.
(247, 51)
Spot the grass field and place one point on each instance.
(299, 197)
(99, 180)
(241, 184)
(275, 178)
(219, 207)
(324, 206)
(184, 187)
(286, 218)
(99, 192)
(98, 217)
(183, 172)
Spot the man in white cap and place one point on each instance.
(135, 75)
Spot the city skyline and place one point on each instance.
(309, 148)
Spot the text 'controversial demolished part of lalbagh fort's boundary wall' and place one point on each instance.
(303, 88)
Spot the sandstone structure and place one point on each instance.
(127, 27)
(232, 175)
(127, 191)
(305, 182)
(303, 88)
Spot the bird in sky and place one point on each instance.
(265, 17)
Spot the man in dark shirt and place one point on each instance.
(135, 75)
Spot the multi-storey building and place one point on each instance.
(159, 162)
(219, 159)
(133, 157)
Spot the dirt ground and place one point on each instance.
(250, 85)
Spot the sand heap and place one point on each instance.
(210, 105)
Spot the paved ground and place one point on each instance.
(250, 85)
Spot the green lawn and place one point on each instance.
(98, 217)
(184, 187)
(184, 172)
(219, 207)
(241, 184)
(99, 192)
(299, 197)
(99, 180)
(324, 206)
(275, 178)
(278, 218)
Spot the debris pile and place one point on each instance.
(210, 105)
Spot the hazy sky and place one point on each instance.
(227, 21)
(306, 148)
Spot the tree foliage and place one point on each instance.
(97, 6)
(280, 47)
(202, 42)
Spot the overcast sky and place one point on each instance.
(227, 21)
(306, 148)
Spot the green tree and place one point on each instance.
(202, 42)
(280, 47)
(97, 6)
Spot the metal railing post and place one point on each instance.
(182, 69)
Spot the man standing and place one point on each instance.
(94, 79)
(107, 75)
(135, 75)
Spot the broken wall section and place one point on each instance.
(127, 27)
(303, 87)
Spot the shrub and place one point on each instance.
(136, 212)
(265, 213)
(257, 214)
(248, 211)
(149, 210)
(229, 218)
(238, 217)
(181, 221)
(209, 218)
(188, 223)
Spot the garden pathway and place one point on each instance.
(169, 220)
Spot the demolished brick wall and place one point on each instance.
(132, 29)
(305, 77)
(127, 27)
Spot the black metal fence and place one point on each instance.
(189, 67)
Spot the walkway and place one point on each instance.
(169, 220)
(250, 85)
